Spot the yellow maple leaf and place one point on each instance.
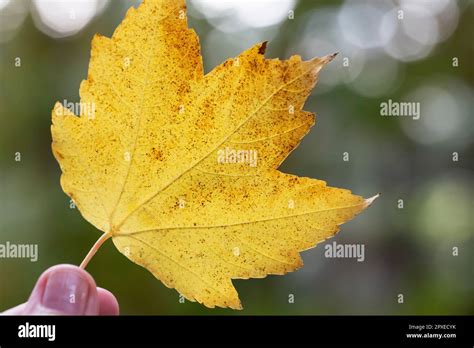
(180, 168)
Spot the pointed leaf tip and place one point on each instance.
(329, 57)
(263, 47)
(370, 200)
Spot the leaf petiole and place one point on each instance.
(94, 249)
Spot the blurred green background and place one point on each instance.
(408, 251)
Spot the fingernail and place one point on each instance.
(66, 292)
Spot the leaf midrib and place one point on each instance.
(124, 234)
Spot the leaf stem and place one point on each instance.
(94, 249)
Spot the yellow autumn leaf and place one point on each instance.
(180, 168)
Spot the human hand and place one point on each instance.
(67, 290)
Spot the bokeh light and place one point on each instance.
(59, 19)
(446, 113)
(4, 3)
(445, 205)
(236, 15)
(12, 16)
(360, 23)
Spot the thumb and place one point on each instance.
(64, 290)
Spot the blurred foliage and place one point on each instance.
(408, 250)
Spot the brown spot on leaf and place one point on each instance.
(58, 154)
(157, 154)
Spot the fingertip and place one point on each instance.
(108, 304)
(64, 289)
